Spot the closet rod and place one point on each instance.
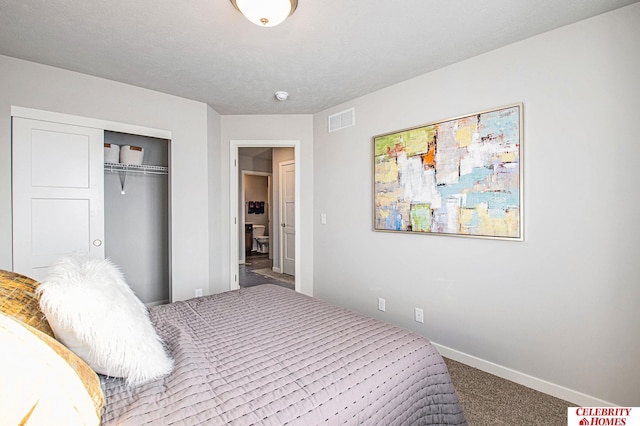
(134, 168)
(123, 169)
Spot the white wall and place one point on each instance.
(218, 227)
(562, 306)
(31, 85)
(272, 127)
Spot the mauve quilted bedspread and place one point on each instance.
(270, 356)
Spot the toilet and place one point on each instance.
(260, 241)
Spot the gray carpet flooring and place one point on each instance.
(488, 400)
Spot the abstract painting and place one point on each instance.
(459, 177)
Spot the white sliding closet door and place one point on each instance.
(57, 193)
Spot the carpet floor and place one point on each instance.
(488, 400)
(266, 272)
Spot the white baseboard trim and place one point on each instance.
(276, 270)
(578, 398)
(159, 302)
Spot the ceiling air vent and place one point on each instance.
(342, 119)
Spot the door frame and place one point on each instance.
(76, 120)
(234, 221)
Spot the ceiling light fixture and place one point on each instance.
(266, 13)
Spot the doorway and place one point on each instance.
(136, 217)
(256, 213)
(244, 160)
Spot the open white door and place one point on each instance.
(58, 180)
(287, 217)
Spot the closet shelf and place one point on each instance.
(134, 168)
(124, 169)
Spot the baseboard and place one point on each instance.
(276, 270)
(578, 398)
(159, 302)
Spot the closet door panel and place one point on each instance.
(57, 193)
(59, 227)
(60, 160)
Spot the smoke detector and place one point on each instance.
(281, 95)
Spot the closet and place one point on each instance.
(66, 199)
(136, 216)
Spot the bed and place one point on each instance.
(263, 355)
(268, 355)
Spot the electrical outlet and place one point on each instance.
(198, 292)
(419, 315)
(381, 304)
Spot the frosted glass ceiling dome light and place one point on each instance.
(266, 13)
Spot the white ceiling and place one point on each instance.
(326, 53)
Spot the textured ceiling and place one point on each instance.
(326, 53)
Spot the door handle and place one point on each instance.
(283, 225)
(97, 243)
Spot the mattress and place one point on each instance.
(267, 355)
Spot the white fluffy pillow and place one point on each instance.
(92, 310)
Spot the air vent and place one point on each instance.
(342, 119)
